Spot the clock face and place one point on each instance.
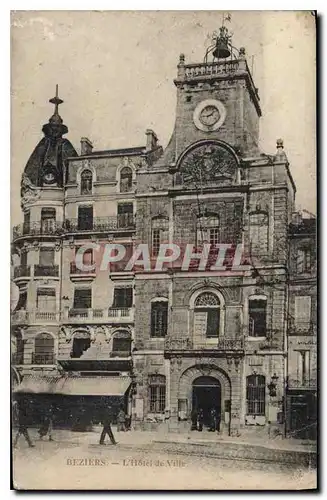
(209, 115)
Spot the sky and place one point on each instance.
(115, 73)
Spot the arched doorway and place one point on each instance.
(206, 394)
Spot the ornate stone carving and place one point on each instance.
(65, 332)
(207, 162)
(29, 193)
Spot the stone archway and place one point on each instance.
(219, 393)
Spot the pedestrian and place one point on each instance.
(22, 424)
(47, 425)
(200, 420)
(213, 420)
(194, 419)
(106, 422)
(121, 420)
(218, 423)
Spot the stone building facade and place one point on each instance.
(173, 338)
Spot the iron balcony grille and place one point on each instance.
(22, 271)
(305, 383)
(302, 328)
(40, 228)
(223, 344)
(40, 270)
(101, 224)
(43, 359)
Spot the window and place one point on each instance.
(159, 234)
(255, 394)
(44, 349)
(303, 366)
(27, 222)
(85, 218)
(302, 311)
(159, 318)
(208, 230)
(125, 215)
(121, 343)
(82, 298)
(81, 342)
(47, 256)
(259, 227)
(23, 258)
(22, 301)
(123, 297)
(46, 299)
(126, 178)
(207, 315)
(157, 393)
(303, 260)
(48, 220)
(257, 317)
(86, 182)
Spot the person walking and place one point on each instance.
(47, 425)
(200, 420)
(194, 420)
(106, 422)
(121, 420)
(213, 420)
(22, 425)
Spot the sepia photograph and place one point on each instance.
(163, 250)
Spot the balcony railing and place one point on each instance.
(223, 344)
(22, 271)
(41, 228)
(306, 383)
(77, 271)
(43, 359)
(34, 316)
(111, 314)
(40, 270)
(101, 224)
(210, 69)
(302, 328)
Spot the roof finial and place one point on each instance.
(56, 101)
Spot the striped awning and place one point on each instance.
(74, 386)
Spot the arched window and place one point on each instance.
(86, 182)
(258, 316)
(255, 394)
(259, 233)
(157, 393)
(81, 342)
(207, 315)
(159, 233)
(43, 349)
(208, 230)
(121, 344)
(126, 179)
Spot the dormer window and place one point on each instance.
(86, 182)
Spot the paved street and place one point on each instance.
(81, 463)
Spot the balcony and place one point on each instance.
(305, 383)
(123, 222)
(46, 271)
(43, 359)
(302, 328)
(22, 273)
(111, 315)
(41, 228)
(223, 344)
(22, 317)
(77, 274)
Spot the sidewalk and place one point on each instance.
(138, 438)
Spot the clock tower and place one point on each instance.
(216, 100)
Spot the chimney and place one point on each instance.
(151, 140)
(296, 218)
(86, 146)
